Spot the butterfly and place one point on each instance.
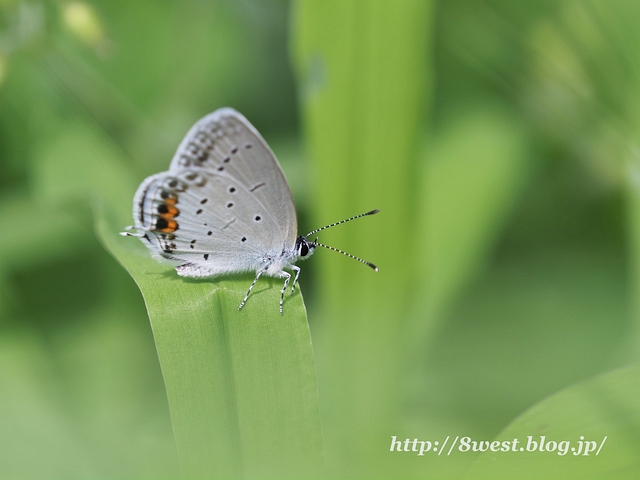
(224, 207)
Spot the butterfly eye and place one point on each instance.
(304, 249)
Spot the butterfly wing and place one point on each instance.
(223, 206)
(225, 141)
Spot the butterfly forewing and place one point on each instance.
(225, 143)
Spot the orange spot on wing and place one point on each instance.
(170, 213)
(171, 227)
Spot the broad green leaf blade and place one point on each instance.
(364, 92)
(240, 384)
(363, 69)
(605, 406)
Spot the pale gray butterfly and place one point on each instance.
(224, 206)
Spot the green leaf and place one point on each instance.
(364, 74)
(364, 95)
(240, 384)
(605, 407)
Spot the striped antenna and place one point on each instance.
(372, 212)
(345, 253)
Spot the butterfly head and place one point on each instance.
(305, 248)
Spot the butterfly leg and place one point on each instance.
(284, 288)
(260, 272)
(295, 280)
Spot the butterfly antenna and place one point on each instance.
(372, 212)
(345, 253)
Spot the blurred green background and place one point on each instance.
(498, 138)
